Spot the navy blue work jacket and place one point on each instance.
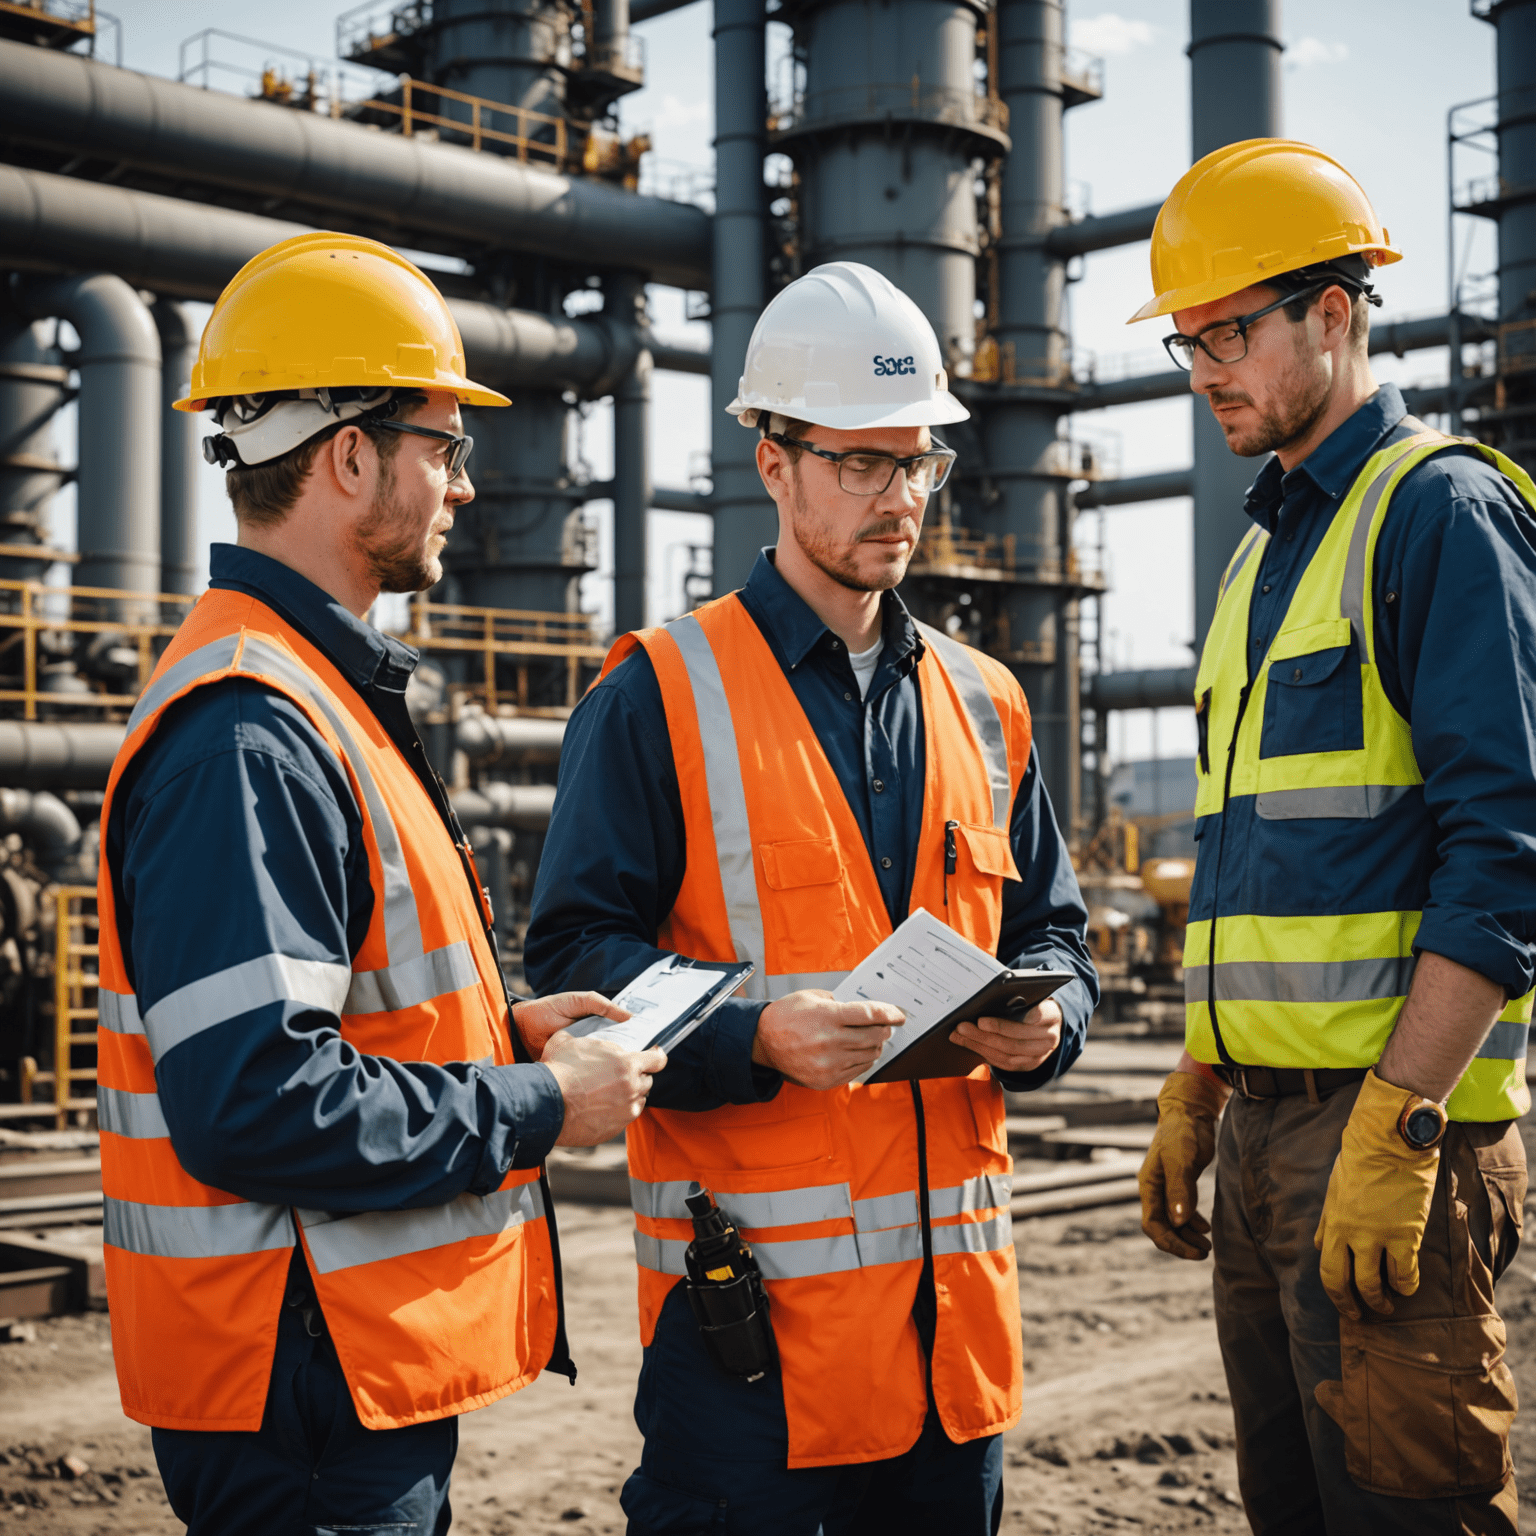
(614, 859)
(1455, 612)
(234, 834)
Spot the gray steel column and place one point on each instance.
(516, 51)
(1516, 23)
(745, 518)
(1022, 457)
(181, 451)
(631, 469)
(118, 515)
(1234, 83)
(32, 388)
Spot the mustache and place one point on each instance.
(885, 528)
(1229, 397)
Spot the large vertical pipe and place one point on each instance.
(513, 51)
(1234, 83)
(1516, 52)
(1022, 455)
(631, 469)
(32, 388)
(744, 516)
(610, 32)
(180, 450)
(118, 518)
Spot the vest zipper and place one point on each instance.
(1221, 841)
(925, 1305)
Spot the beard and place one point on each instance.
(828, 553)
(1304, 392)
(392, 544)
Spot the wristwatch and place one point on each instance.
(1422, 1124)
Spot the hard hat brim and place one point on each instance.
(942, 409)
(466, 391)
(1222, 287)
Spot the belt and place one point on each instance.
(1281, 1082)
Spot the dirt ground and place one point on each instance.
(1126, 1422)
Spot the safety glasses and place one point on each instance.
(1227, 340)
(458, 453)
(870, 474)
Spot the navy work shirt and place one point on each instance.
(614, 859)
(1455, 613)
(234, 834)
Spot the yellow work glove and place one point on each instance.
(1183, 1145)
(1377, 1203)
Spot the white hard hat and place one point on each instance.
(844, 347)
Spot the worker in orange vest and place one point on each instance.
(780, 777)
(327, 1227)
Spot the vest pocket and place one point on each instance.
(1313, 704)
(805, 922)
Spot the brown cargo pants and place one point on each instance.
(1394, 1426)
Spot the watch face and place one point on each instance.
(1422, 1126)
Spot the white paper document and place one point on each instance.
(926, 969)
(666, 992)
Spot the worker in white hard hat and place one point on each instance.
(782, 777)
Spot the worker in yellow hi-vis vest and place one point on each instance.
(1359, 962)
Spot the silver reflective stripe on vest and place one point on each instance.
(787, 1207)
(797, 1260)
(985, 720)
(413, 981)
(975, 1236)
(879, 1212)
(136, 1115)
(252, 984)
(341, 1242)
(727, 797)
(661, 1255)
(1339, 802)
(1301, 981)
(1352, 596)
(118, 1012)
(402, 921)
(1507, 1041)
(1244, 555)
(213, 657)
(986, 1192)
(195, 1231)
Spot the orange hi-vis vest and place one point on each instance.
(839, 1192)
(432, 1311)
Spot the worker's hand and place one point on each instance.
(821, 1044)
(536, 1021)
(1014, 1045)
(604, 1086)
(1377, 1204)
(1188, 1107)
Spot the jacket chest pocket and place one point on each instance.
(805, 919)
(1313, 704)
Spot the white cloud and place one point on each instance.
(680, 114)
(1110, 34)
(1307, 51)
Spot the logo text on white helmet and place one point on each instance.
(889, 367)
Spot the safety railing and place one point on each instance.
(66, 20)
(29, 610)
(492, 633)
(943, 547)
(476, 126)
(902, 100)
(75, 979)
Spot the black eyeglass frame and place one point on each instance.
(1242, 322)
(458, 454)
(947, 456)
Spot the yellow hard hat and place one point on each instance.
(1250, 211)
(329, 311)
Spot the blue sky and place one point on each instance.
(1369, 81)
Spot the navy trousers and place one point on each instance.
(715, 1458)
(311, 1469)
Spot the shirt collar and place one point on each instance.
(791, 627)
(1332, 466)
(365, 655)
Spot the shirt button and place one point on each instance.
(834, 645)
(848, 696)
(1266, 589)
(1296, 675)
(1391, 597)
(879, 786)
(885, 863)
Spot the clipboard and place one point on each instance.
(658, 1020)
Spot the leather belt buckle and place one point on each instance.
(1240, 1082)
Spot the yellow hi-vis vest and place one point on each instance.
(1301, 761)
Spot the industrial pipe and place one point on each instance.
(186, 250)
(181, 450)
(631, 470)
(1102, 232)
(487, 739)
(118, 508)
(73, 754)
(1159, 688)
(406, 190)
(665, 499)
(647, 10)
(1136, 488)
(44, 821)
(523, 806)
(33, 386)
